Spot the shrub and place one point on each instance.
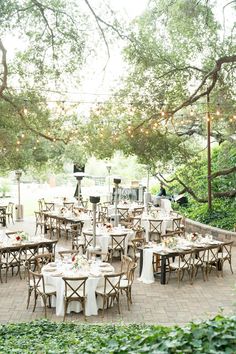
(213, 336)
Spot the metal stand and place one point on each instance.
(94, 201)
(19, 207)
(116, 181)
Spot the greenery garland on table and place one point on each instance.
(211, 336)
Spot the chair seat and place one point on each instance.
(124, 283)
(80, 241)
(49, 289)
(109, 290)
(178, 265)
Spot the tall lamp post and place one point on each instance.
(109, 182)
(94, 200)
(147, 195)
(19, 207)
(116, 182)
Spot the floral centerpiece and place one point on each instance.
(195, 236)
(21, 236)
(170, 242)
(108, 226)
(79, 262)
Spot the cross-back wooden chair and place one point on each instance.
(67, 254)
(43, 259)
(155, 229)
(39, 222)
(10, 258)
(103, 256)
(41, 289)
(41, 204)
(49, 206)
(176, 226)
(225, 254)
(110, 290)
(182, 262)
(9, 212)
(88, 240)
(118, 244)
(212, 259)
(137, 243)
(126, 284)
(30, 282)
(69, 206)
(126, 263)
(123, 214)
(137, 211)
(198, 261)
(77, 239)
(75, 290)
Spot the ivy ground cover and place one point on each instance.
(212, 336)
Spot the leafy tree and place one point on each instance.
(177, 58)
(51, 41)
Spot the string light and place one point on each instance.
(218, 109)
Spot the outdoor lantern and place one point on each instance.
(94, 200)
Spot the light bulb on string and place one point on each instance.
(17, 149)
(37, 141)
(22, 135)
(18, 142)
(218, 109)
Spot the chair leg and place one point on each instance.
(103, 305)
(29, 295)
(118, 302)
(35, 301)
(65, 309)
(45, 305)
(230, 264)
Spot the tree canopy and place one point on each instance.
(178, 54)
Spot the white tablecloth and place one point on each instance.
(103, 237)
(92, 304)
(166, 223)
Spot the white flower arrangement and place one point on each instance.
(22, 236)
(79, 261)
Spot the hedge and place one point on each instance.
(212, 336)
